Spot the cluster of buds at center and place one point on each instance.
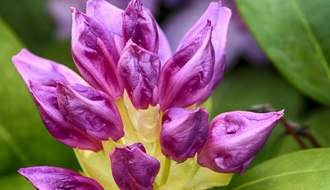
(136, 120)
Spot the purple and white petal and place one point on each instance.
(50, 178)
(185, 76)
(219, 17)
(90, 110)
(132, 168)
(95, 54)
(61, 129)
(139, 70)
(140, 27)
(107, 14)
(235, 138)
(184, 132)
(41, 77)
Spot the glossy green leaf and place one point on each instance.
(24, 140)
(16, 181)
(295, 36)
(304, 170)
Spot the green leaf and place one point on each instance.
(295, 36)
(16, 181)
(24, 140)
(308, 169)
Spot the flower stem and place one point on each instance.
(166, 171)
(129, 128)
(292, 131)
(304, 131)
(311, 138)
(195, 170)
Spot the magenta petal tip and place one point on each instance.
(50, 178)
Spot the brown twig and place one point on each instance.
(304, 130)
(292, 131)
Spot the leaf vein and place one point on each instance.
(278, 176)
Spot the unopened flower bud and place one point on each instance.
(184, 132)
(139, 70)
(185, 76)
(140, 27)
(95, 54)
(133, 168)
(91, 110)
(235, 138)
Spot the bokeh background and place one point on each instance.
(278, 53)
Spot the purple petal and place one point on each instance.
(95, 54)
(42, 71)
(184, 132)
(91, 110)
(219, 17)
(41, 77)
(235, 138)
(50, 178)
(185, 76)
(139, 70)
(165, 51)
(107, 14)
(132, 168)
(140, 27)
(62, 130)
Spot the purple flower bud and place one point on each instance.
(107, 14)
(140, 26)
(132, 168)
(184, 77)
(95, 54)
(91, 110)
(139, 70)
(71, 111)
(62, 130)
(219, 17)
(50, 178)
(184, 132)
(235, 138)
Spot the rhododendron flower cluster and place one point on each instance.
(135, 118)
